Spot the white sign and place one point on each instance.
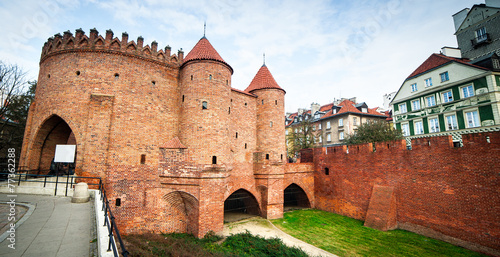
(65, 153)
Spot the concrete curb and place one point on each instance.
(102, 231)
(31, 209)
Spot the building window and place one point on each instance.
(419, 128)
(414, 87)
(451, 122)
(341, 135)
(472, 118)
(327, 171)
(214, 159)
(434, 125)
(428, 82)
(319, 126)
(447, 97)
(405, 127)
(481, 34)
(314, 127)
(328, 137)
(328, 125)
(204, 105)
(267, 156)
(143, 158)
(341, 122)
(286, 132)
(355, 121)
(467, 91)
(444, 76)
(415, 105)
(295, 130)
(365, 110)
(320, 139)
(210, 77)
(431, 101)
(271, 124)
(402, 108)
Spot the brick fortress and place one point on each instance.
(180, 149)
(175, 145)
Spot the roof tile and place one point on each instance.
(263, 80)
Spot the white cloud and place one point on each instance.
(316, 50)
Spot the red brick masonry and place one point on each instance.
(439, 190)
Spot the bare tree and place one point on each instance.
(16, 95)
(300, 137)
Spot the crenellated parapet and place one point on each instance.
(95, 42)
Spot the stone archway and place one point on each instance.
(182, 212)
(52, 132)
(240, 205)
(295, 198)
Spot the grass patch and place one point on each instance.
(345, 236)
(243, 244)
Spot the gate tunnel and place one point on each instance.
(295, 198)
(240, 205)
(52, 132)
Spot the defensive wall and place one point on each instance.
(435, 189)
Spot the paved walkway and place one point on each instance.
(53, 227)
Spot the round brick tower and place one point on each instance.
(270, 118)
(205, 80)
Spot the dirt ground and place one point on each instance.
(264, 228)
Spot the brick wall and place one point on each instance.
(441, 191)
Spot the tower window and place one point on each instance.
(276, 102)
(183, 98)
(227, 82)
(236, 134)
(262, 101)
(210, 77)
(153, 82)
(271, 124)
(191, 77)
(214, 159)
(245, 145)
(117, 75)
(267, 156)
(229, 111)
(143, 158)
(327, 171)
(77, 73)
(204, 105)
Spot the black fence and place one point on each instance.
(68, 181)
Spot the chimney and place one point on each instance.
(451, 52)
(93, 34)
(314, 108)
(459, 17)
(301, 111)
(180, 54)
(167, 50)
(79, 34)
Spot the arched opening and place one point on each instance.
(182, 212)
(240, 205)
(54, 131)
(295, 198)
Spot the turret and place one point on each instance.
(270, 115)
(205, 80)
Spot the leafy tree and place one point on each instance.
(300, 137)
(16, 95)
(374, 131)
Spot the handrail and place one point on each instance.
(109, 219)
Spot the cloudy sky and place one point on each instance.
(317, 50)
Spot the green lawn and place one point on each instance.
(344, 236)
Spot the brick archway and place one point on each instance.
(52, 132)
(295, 197)
(241, 202)
(182, 212)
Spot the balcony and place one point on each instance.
(481, 40)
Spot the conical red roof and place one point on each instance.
(263, 80)
(203, 50)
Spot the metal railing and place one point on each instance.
(109, 219)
